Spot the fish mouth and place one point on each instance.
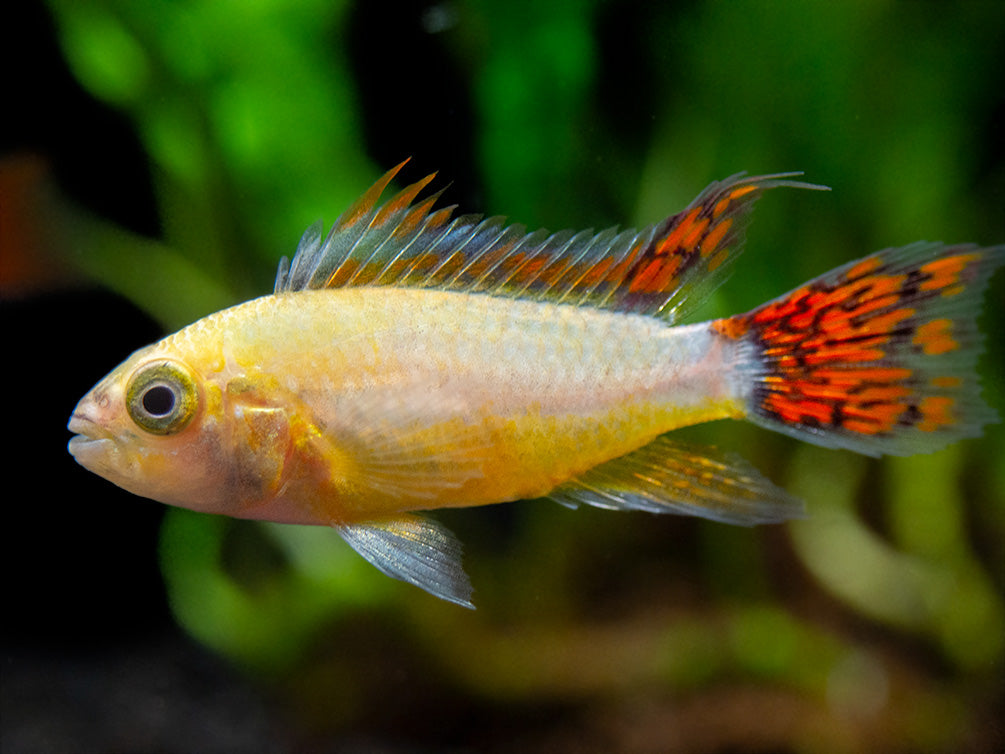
(89, 438)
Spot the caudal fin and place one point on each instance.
(878, 356)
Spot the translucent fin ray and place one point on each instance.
(386, 430)
(417, 550)
(664, 269)
(669, 477)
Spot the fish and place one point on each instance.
(414, 359)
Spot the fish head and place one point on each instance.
(149, 428)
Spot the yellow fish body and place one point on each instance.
(414, 361)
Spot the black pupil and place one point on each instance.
(158, 400)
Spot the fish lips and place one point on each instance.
(91, 446)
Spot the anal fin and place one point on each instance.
(413, 549)
(669, 477)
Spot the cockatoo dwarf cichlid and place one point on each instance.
(414, 360)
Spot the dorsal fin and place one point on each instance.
(658, 270)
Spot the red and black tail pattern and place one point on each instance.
(878, 356)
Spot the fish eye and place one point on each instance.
(162, 397)
(158, 400)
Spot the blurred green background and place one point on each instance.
(161, 156)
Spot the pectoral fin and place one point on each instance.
(410, 442)
(413, 549)
(668, 477)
